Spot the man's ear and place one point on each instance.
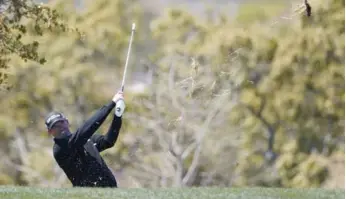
(50, 131)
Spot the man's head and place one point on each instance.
(57, 124)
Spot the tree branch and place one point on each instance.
(271, 128)
(214, 109)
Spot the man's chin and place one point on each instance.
(65, 133)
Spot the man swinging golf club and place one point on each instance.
(78, 154)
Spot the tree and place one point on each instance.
(287, 108)
(175, 127)
(18, 19)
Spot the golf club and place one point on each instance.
(120, 106)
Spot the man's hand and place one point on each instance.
(118, 96)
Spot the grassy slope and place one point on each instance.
(7, 192)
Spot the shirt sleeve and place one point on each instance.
(103, 142)
(85, 131)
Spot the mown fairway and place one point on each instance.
(8, 192)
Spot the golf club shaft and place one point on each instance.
(128, 57)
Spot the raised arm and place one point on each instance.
(108, 140)
(89, 127)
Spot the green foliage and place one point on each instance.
(290, 87)
(299, 169)
(5, 179)
(40, 168)
(22, 18)
(259, 11)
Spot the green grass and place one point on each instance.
(8, 192)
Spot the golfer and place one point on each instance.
(78, 154)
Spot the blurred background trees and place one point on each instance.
(254, 99)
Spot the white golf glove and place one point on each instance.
(120, 104)
(120, 107)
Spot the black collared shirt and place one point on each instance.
(79, 153)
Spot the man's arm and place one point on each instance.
(108, 140)
(89, 127)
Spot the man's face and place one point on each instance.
(58, 128)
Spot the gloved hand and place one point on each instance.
(119, 101)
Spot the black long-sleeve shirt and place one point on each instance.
(78, 154)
